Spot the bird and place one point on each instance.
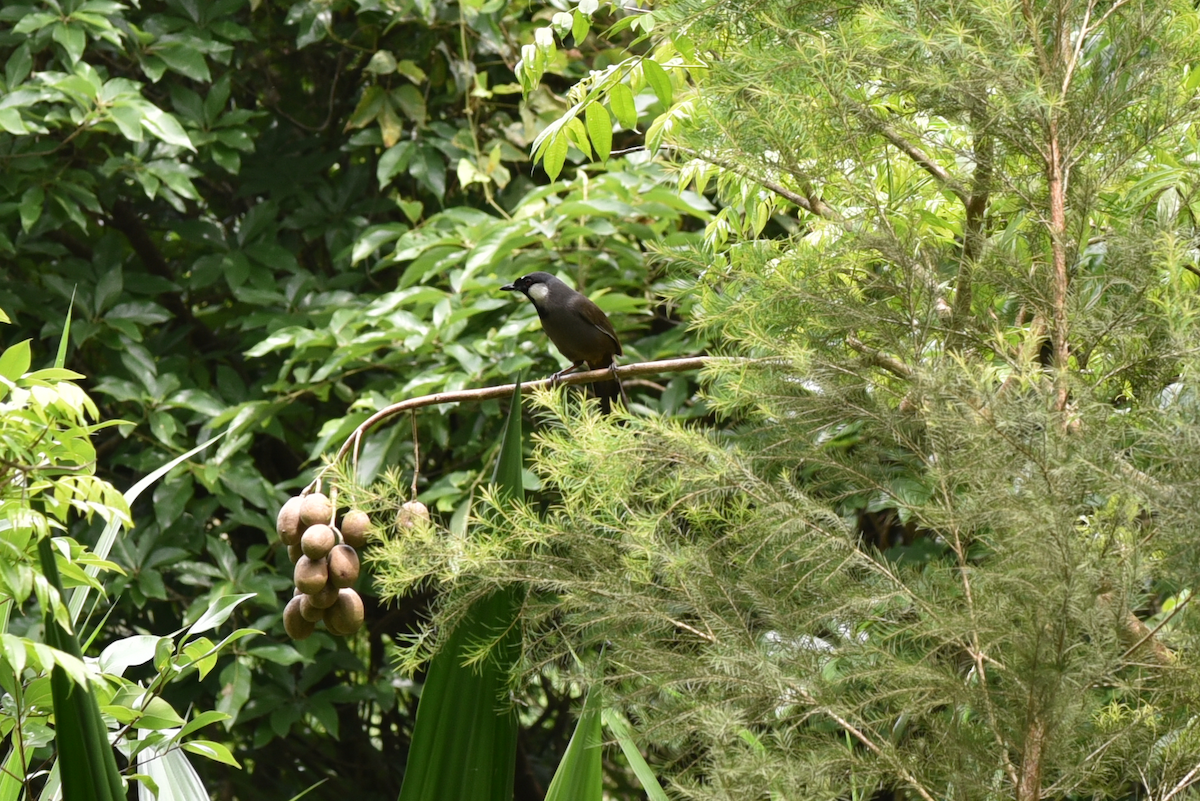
(577, 327)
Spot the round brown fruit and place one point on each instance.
(346, 615)
(355, 526)
(412, 513)
(294, 553)
(325, 597)
(315, 508)
(310, 575)
(293, 621)
(343, 566)
(317, 541)
(310, 612)
(287, 524)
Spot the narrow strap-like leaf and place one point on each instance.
(86, 762)
(465, 737)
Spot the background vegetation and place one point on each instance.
(932, 540)
(275, 219)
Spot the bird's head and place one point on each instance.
(535, 286)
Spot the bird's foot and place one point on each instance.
(558, 377)
(612, 368)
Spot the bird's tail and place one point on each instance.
(609, 392)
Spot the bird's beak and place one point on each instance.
(508, 288)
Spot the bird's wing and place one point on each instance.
(594, 315)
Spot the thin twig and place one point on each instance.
(416, 453)
(1183, 783)
(871, 745)
(817, 206)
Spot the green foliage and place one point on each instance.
(942, 544)
(276, 218)
(48, 473)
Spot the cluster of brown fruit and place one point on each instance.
(327, 566)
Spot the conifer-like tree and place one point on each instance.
(942, 543)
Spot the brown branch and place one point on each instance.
(923, 161)
(1160, 651)
(880, 359)
(1183, 784)
(1029, 787)
(1056, 178)
(506, 391)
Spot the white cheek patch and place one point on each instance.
(539, 292)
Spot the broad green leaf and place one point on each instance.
(158, 714)
(580, 26)
(16, 69)
(128, 119)
(34, 22)
(211, 750)
(60, 358)
(170, 769)
(72, 38)
(410, 70)
(218, 612)
(184, 59)
(620, 98)
(578, 135)
(31, 206)
(137, 649)
(15, 360)
(393, 162)
(464, 741)
(658, 79)
(278, 653)
(88, 768)
(368, 108)
(165, 127)
(10, 121)
(373, 238)
(410, 100)
(382, 63)
(236, 681)
(599, 126)
(11, 778)
(201, 720)
(556, 155)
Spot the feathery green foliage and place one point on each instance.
(944, 543)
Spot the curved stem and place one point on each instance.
(506, 390)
